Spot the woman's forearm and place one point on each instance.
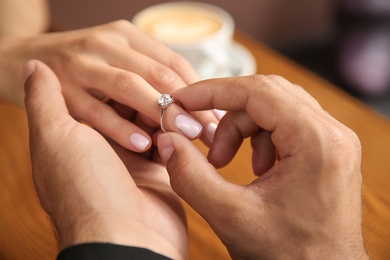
(21, 17)
(11, 62)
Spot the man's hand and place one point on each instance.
(306, 202)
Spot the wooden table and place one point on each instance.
(26, 233)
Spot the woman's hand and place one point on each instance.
(114, 61)
(91, 194)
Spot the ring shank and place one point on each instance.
(161, 119)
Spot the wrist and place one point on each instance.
(342, 250)
(114, 230)
(83, 228)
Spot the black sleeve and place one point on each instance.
(100, 251)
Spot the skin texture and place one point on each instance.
(114, 61)
(93, 189)
(306, 201)
(305, 204)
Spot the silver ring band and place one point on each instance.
(164, 102)
(161, 120)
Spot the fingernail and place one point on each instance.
(29, 69)
(219, 113)
(210, 131)
(188, 126)
(165, 147)
(139, 141)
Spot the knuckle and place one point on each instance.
(263, 81)
(253, 82)
(178, 63)
(275, 82)
(272, 79)
(163, 76)
(121, 25)
(96, 112)
(68, 59)
(342, 138)
(92, 40)
(340, 142)
(346, 142)
(125, 82)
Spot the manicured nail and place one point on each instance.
(210, 131)
(165, 147)
(219, 113)
(188, 126)
(139, 141)
(29, 69)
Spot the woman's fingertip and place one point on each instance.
(165, 147)
(139, 141)
(29, 68)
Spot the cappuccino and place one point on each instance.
(201, 33)
(179, 25)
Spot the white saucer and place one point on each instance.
(240, 63)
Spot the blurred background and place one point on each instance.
(345, 41)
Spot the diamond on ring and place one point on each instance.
(165, 100)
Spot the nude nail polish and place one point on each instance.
(188, 126)
(139, 141)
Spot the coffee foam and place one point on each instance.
(179, 25)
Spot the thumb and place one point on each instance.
(195, 180)
(43, 97)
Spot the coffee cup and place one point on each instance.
(200, 32)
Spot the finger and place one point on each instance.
(160, 77)
(44, 101)
(150, 47)
(157, 74)
(194, 179)
(122, 110)
(264, 152)
(234, 127)
(164, 80)
(107, 121)
(133, 91)
(140, 120)
(209, 122)
(162, 68)
(113, 49)
(143, 170)
(270, 104)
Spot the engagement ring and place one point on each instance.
(164, 102)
